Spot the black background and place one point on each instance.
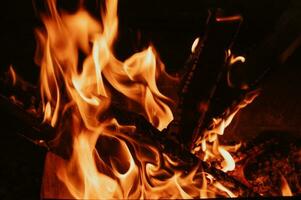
(171, 26)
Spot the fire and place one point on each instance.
(232, 60)
(209, 143)
(194, 44)
(105, 162)
(12, 75)
(285, 188)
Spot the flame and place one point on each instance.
(105, 162)
(47, 113)
(13, 75)
(235, 59)
(285, 188)
(195, 44)
(209, 143)
(232, 59)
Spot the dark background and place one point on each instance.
(171, 26)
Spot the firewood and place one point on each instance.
(205, 71)
(210, 89)
(42, 134)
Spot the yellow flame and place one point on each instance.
(232, 60)
(195, 44)
(47, 113)
(228, 163)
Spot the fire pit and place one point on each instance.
(108, 119)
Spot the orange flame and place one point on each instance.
(209, 143)
(12, 74)
(285, 188)
(131, 170)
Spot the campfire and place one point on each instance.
(128, 129)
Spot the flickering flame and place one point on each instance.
(47, 113)
(232, 60)
(195, 44)
(285, 188)
(228, 163)
(105, 162)
(13, 75)
(209, 143)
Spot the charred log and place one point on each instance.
(211, 88)
(204, 72)
(42, 135)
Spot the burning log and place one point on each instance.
(145, 133)
(205, 70)
(77, 100)
(228, 83)
(41, 134)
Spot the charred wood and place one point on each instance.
(211, 89)
(42, 134)
(204, 72)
